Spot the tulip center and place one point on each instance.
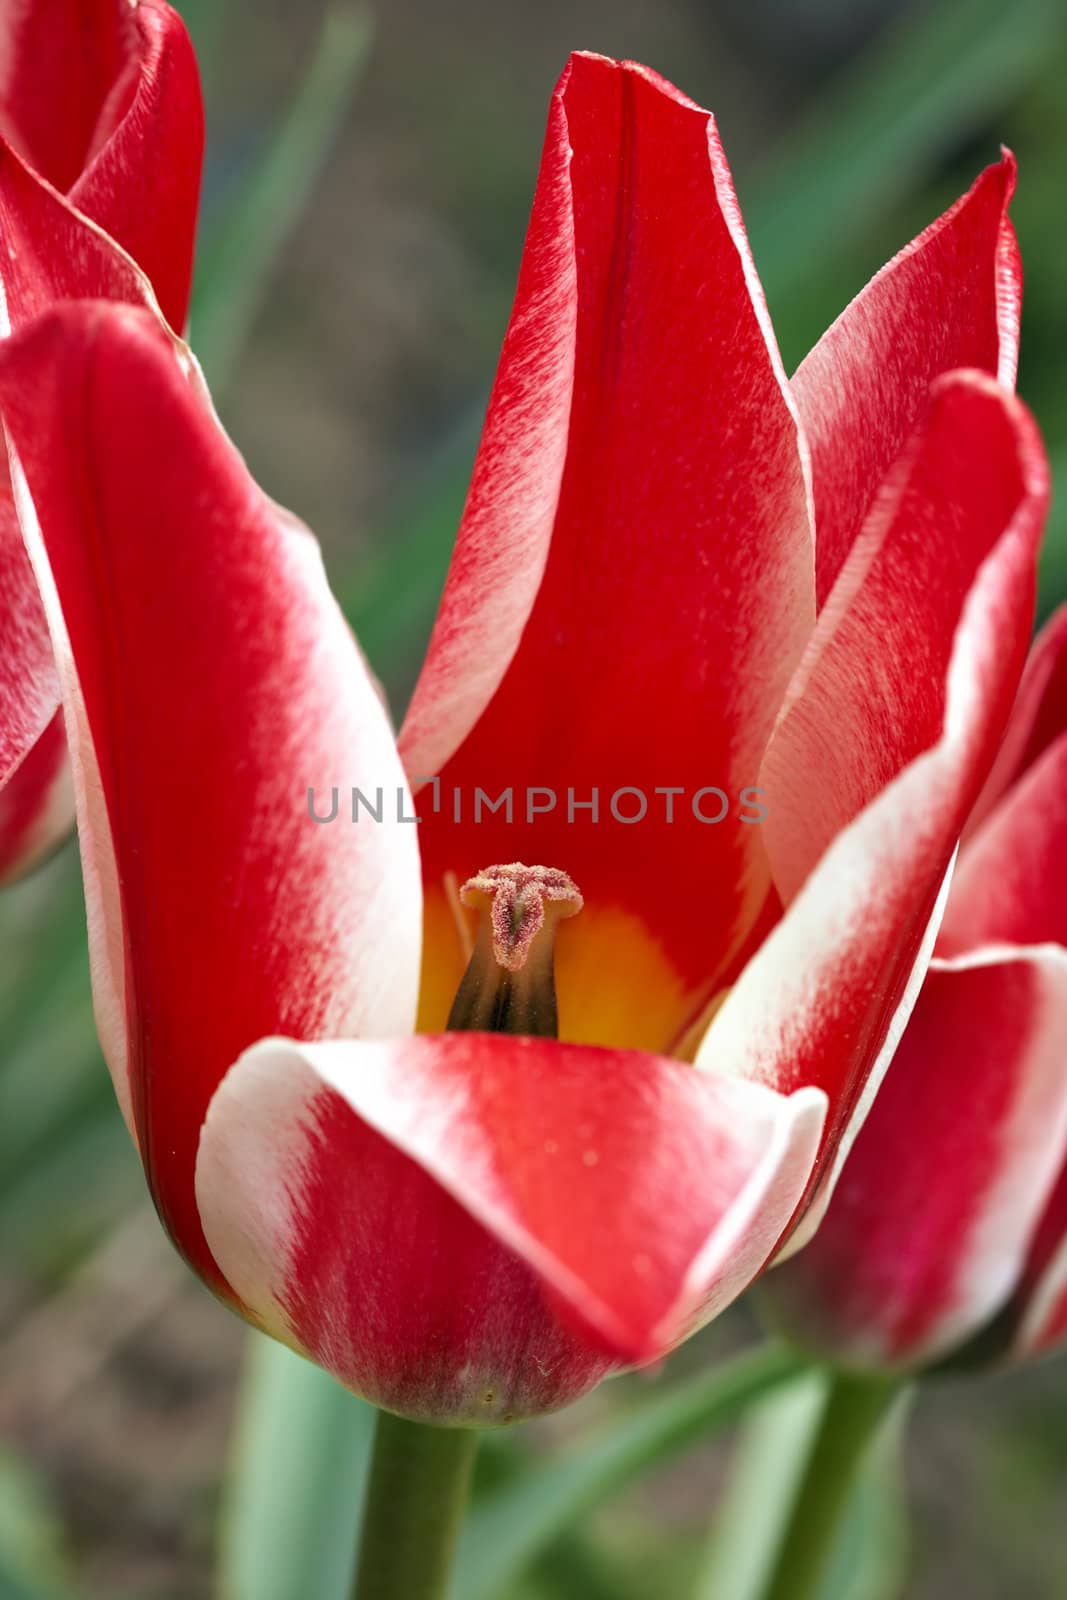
(509, 985)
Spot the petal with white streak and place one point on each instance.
(102, 99)
(48, 252)
(887, 737)
(633, 581)
(465, 1225)
(1039, 716)
(927, 1232)
(209, 682)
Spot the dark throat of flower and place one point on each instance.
(509, 985)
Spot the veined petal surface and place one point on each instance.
(950, 299)
(209, 681)
(473, 1227)
(633, 582)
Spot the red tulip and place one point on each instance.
(478, 1223)
(952, 1208)
(101, 139)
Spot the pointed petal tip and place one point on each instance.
(592, 64)
(950, 298)
(1009, 164)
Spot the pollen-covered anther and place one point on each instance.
(518, 898)
(509, 985)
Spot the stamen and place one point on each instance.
(509, 984)
(516, 898)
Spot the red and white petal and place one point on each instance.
(927, 1232)
(950, 299)
(48, 252)
(633, 582)
(103, 100)
(209, 683)
(928, 628)
(503, 539)
(36, 803)
(887, 736)
(53, 252)
(1009, 885)
(29, 689)
(468, 1226)
(1038, 717)
(1042, 1295)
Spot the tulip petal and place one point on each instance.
(48, 252)
(503, 539)
(634, 572)
(1009, 885)
(1042, 1296)
(29, 689)
(36, 803)
(927, 1232)
(414, 1213)
(103, 100)
(1038, 717)
(209, 681)
(950, 299)
(963, 507)
(887, 736)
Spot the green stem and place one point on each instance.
(850, 1420)
(419, 1479)
(512, 1526)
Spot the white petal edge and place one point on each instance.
(1031, 1156)
(260, 1109)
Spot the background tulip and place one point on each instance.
(101, 141)
(944, 1239)
(472, 1227)
(949, 1215)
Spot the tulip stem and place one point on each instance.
(419, 1478)
(849, 1421)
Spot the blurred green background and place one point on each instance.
(365, 201)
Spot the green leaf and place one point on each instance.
(301, 1452)
(773, 1456)
(67, 1166)
(769, 1463)
(508, 1528)
(235, 263)
(31, 1560)
(74, 1189)
(872, 1555)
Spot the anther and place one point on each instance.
(509, 985)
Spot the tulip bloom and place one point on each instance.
(101, 140)
(478, 1220)
(952, 1208)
